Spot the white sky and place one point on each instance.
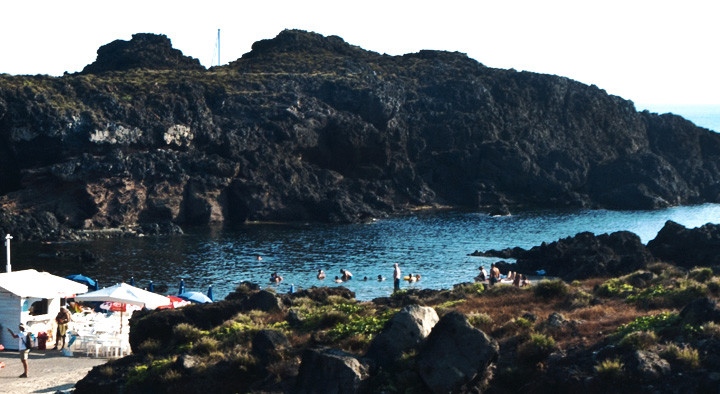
(649, 51)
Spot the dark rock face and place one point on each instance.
(148, 51)
(455, 354)
(687, 247)
(267, 345)
(582, 256)
(331, 371)
(700, 311)
(309, 128)
(404, 331)
(648, 365)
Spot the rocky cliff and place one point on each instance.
(306, 127)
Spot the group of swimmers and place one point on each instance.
(347, 275)
(516, 278)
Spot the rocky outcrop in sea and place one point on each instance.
(310, 128)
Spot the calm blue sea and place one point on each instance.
(434, 245)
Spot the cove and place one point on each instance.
(433, 244)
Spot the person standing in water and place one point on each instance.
(396, 276)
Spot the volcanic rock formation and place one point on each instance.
(310, 128)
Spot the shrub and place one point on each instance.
(482, 321)
(714, 286)
(150, 346)
(206, 345)
(710, 330)
(467, 289)
(614, 288)
(701, 274)
(536, 349)
(610, 369)
(657, 323)
(232, 333)
(639, 340)
(580, 299)
(686, 356)
(551, 288)
(185, 333)
(501, 290)
(361, 325)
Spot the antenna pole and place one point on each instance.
(218, 47)
(8, 267)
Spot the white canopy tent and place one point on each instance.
(32, 298)
(126, 294)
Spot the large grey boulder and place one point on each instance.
(455, 354)
(648, 365)
(268, 345)
(404, 331)
(331, 371)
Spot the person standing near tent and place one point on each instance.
(23, 347)
(62, 319)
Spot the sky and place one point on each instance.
(656, 53)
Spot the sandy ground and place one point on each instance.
(49, 371)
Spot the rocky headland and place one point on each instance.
(310, 128)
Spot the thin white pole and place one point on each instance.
(8, 267)
(218, 47)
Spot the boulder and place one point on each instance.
(267, 345)
(685, 247)
(403, 332)
(263, 300)
(331, 371)
(700, 311)
(455, 354)
(648, 365)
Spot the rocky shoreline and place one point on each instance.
(310, 128)
(653, 328)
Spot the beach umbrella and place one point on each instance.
(175, 302)
(195, 296)
(182, 286)
(125, 294)
(210, 294)
(84, 280)
(132, 281)
(151, 287)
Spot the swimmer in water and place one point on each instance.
(321, 274)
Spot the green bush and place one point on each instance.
(686, 356)
(580, 299)
(536, 349)
(482, 321)
(467, 289)
(610, 369)
(547, 289)
(657, 323)
(701, 274)
(185, 333)
(361, 325)
(639, 340)
(614, 288)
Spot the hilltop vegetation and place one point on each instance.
(309, 128)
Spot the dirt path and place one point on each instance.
(49, 371)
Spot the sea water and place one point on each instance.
(433, 244)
